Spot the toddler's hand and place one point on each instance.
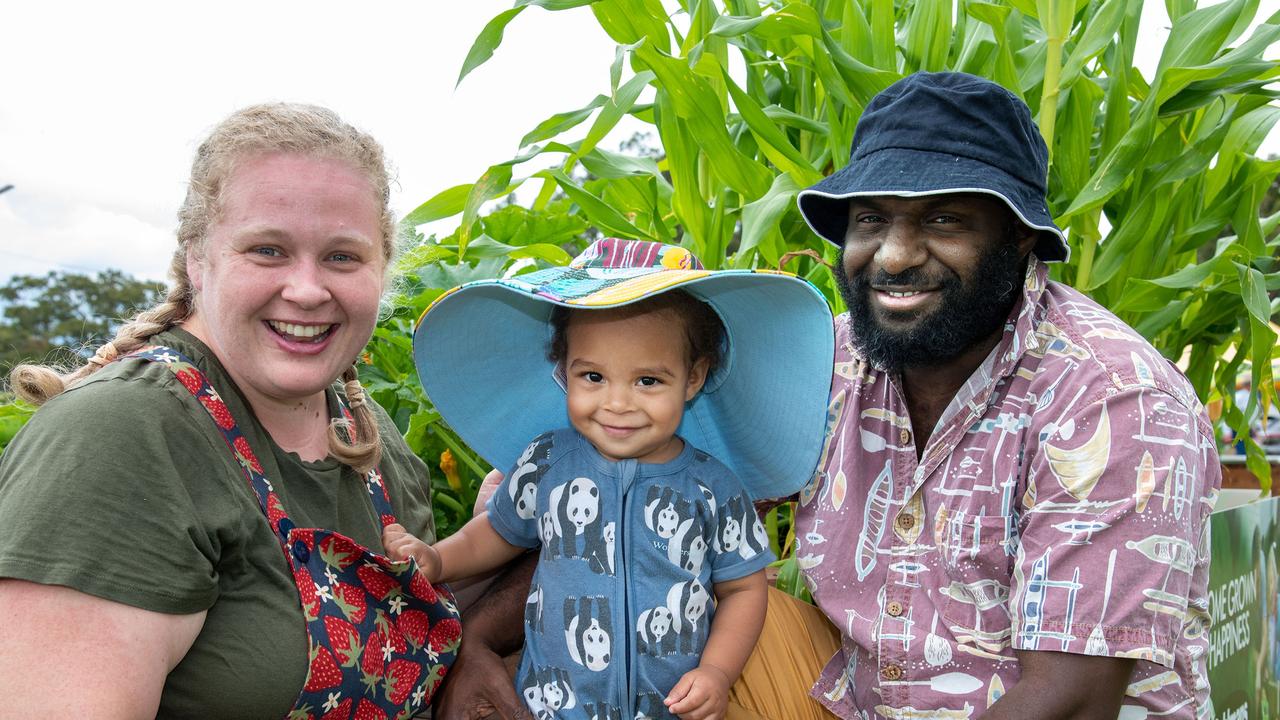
(701, 694)
(401, 545)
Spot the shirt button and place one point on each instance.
(301, 552)
(904, 436)
(892, 672)
(906, 521)
(894, 608)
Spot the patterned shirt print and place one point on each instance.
(1061, 504)
(620, 606)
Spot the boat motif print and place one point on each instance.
(1058, 504)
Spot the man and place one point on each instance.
(1011, 517)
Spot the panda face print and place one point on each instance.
(533, 698)
(659, 622)
(696, 607)
(595, 646)
(762, 538)
(665, 521)
(552, 696)
(547, 529)
(697, 553)
(730, 534)
(527, 501)
(583, 504)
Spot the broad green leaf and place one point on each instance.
(727, 26)
(608, 219)
(446, 203)
(928, 33)
(610, 165)
(561, 122)
(616, 107)
(1194, 40)
(487, 41)
(773, 142)
(494, 183)
(760, 220)
(556, 4)
(629, 21)
(695, 102)
(786, 117)
(1101, 28)
(690, 208)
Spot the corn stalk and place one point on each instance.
(1157, 179)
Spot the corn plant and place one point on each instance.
(1156, 180)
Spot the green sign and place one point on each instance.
(1244, 651)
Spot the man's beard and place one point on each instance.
(965, 315)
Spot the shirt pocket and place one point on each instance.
(977, 553)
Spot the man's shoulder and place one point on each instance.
(1105, 353)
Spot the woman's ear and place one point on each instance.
(697, 377)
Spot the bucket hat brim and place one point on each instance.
(896, 171)
(481, 355)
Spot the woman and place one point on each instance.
(157, 551)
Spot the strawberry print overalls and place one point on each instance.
(380, 637)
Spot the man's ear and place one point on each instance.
(1024, 236)
(697, 378)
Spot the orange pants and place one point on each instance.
(795, 644)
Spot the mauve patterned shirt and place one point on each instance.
(1061, 504)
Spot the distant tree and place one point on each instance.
(57, 316)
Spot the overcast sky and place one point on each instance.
(103, 104)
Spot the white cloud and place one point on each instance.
(79, 238)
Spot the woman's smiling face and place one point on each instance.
(289, 279)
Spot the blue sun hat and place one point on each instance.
(936, 133)
(481, 353)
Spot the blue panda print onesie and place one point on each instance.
(620, 605)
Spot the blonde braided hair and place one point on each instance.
(252, 131)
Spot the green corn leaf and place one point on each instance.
(613, 111)
(561, 122)
(1100, 30)
(695, 102)
(446, 203)
(602, 215)
(783, 116)
(760, 221)
(610, 165)
(487, 41)
(630, 21)
(687, 203)
(773, 142)
(727, 26)
(495, 183)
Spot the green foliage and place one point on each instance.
(65, 312)
(1155, 179)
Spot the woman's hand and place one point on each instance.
(401, 545)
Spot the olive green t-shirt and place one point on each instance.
(123, 488)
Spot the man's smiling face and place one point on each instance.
(927, 278)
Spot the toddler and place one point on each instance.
(638, 528)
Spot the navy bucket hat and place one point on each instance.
(935, 133)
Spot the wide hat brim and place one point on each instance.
(909, 172)
(481, 355)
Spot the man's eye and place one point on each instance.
(342, 257)
(869, 218)
(648, 381)
(266, 251)
(944, 219)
